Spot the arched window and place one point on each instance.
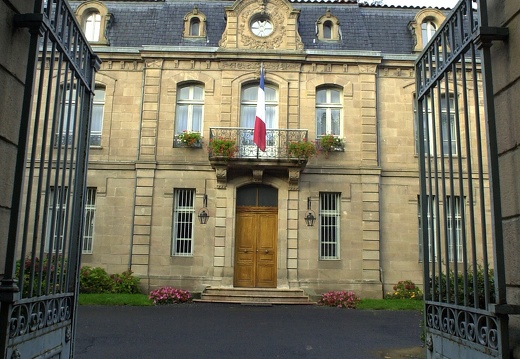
(424, 26)
(328, 111)
(94, 19)
(195, 25)
(190, 109)
(428, 29)
(327, 27)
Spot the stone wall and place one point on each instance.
(506, 83)
(13, 63)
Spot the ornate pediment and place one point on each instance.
(262, 25)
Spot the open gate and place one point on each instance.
(465, 299)
(38, 293)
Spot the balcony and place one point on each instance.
(248, 157)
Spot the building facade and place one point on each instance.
(170, 69)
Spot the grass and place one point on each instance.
(114, 299)
(391, 304)
(142, 300)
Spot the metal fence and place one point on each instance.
(39, 288)
(459, 203)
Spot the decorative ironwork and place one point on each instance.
(277, 141)
(29, 317)
(471, 326)
(38, 286)
(459, 200)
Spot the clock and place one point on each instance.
(261, 27)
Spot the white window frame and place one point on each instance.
(60, 219)
(329, 225)
(93, 26)
(445, 122)
(428, 29)
(432, 230)
(183, 222)
(89, 220)
(98, 108)
(189, 103)
(329, 106)
(454, 232)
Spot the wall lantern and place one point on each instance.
(310, 217)
(203, 212)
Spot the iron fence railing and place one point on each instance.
(460, 215)
(277, 142)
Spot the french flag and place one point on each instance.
(259, 132)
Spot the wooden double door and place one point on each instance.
(255, 247)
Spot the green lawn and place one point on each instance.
(142, 300)
(391, 304)
(114, 299)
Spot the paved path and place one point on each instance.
(225, 331)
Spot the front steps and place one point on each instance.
(255, 296)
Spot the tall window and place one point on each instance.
(454, 208)
(430, 222)
(57, 219)
(98, 107)
(58, 222)
(328, 111)
(70, 114)
(183, 216)
(93, 26)
(190, 109)
(248, 102)
(195, 26)
(88, 225)
(428, 29)
(329, 218)
(448, 126)
(327, 30)
(447, 119)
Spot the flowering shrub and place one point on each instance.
(190, 139)
(329, 143)
(340, 299)
(169, 295)
(301, 149)
(57, 267)
(405, 289)
(223, 147)
(125, 282)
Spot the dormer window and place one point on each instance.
(327, 27)
(195, 24)
(424, 26)
(94, 17)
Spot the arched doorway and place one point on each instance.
(256, 236)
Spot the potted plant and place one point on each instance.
(222, 147)
(330, 143)
(190, 139)
(301, 149)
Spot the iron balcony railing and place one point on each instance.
(277, 143)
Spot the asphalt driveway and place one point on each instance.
(202, 330)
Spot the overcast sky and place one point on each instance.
(445, 3)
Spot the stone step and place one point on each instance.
(255, 296)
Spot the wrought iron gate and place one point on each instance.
(38, 293)
(465, 302)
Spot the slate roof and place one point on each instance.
(161, 23)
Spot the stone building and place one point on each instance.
(172, 68)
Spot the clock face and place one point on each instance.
(262, 27)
